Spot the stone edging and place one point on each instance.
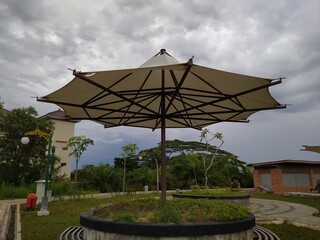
(166, 229)
(222, 197)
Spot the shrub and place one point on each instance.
(9, 192)
(175, 211)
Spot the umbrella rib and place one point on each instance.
(89, 107)
(93, 99)
(152, 99)
(189, 122)
(225, 112)
(240, 94)
(109, 90)
(177, 92)
(135, 97)
(221, 93)
(185, 96)
(178, 84)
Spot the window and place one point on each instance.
(295, 179)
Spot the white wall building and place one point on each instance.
(64, 129)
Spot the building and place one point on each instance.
(286, 175)
(63, 130)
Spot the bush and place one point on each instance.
(175, 211)
(9, 192)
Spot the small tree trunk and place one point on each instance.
(124, 176)
(195, 175)
(206, 179)
(157, 166)
(76, 174)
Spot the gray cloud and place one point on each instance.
(40, 39)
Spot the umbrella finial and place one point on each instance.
(162, 51)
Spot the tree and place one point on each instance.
(155, 154)
(192, 158)
(128, 152)
(78, 144)
(207, 137)
(22, 164)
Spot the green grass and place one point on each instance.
(290, 232)
(66, 213)
(9, 192)
(175, 211)
(62, 215)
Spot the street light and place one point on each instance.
(48, 136)
(146, 173)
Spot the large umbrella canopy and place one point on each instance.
(163, 93)
(311, 148)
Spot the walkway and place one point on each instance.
(271, 211)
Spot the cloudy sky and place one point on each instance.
(39, 40)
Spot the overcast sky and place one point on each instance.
(39, 40)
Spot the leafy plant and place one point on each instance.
(175, 211)
(78, 144)
(207, 137)
(128, 151)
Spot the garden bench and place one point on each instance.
(76, 233)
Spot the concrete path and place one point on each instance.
(271, 211)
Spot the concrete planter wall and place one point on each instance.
(96, 228)
(242, 200)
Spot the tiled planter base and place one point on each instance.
(96, 228)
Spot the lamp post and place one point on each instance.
(146, 173)
(48, 136)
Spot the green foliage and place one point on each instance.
(128, 217)
(180, 173)
(102, 178)
(61, 188)
(183, 170)
(175, 211)
(289, 232)
(22, 164)
(79, 144)
(128, 152)
(167, 214)
(10, 192)
(63, 215)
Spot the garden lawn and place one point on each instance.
(67, 213)
(290, 232)
(62, 215)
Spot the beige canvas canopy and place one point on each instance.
(163, 93)
(311, 148)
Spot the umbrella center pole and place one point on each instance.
(163, 142)
(163, 162)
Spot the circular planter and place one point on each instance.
(100, 228)
(242, 200)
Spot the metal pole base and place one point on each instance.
(44, 207)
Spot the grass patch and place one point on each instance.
(67, 213)
(175, 211)
(290, 232)
(62, 215)
(9, 192)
